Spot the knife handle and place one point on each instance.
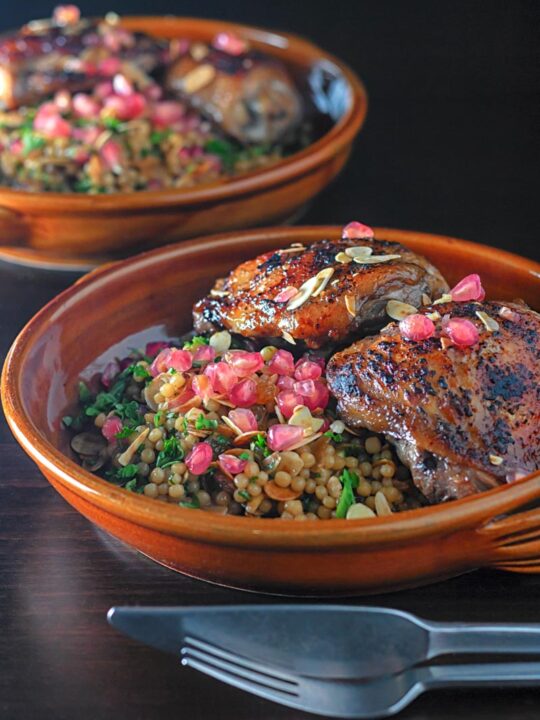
(483, 674)
(483, 638)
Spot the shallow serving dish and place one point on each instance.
(151, 296)
(73, 229)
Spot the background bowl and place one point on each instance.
(151, 296)
(56, 228)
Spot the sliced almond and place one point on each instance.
(398, 310)
(198, 78)
(306, 441)
(359, 511)
(375, 259)
(233, 426)
(276, 492)
(303, 418)
(297, 245)
(219, 293)
(292, 249)
(434, 316)
(496, 460)
(426, 300)
(338, 427)
(279, 415)
(324, 277)
(446, 343)
(288, 337)
(304, 293)
(359, 251)
(125, 458)
(343, 258)
(198, 51)
(443, 299)
(350, 304)
(246, 437)
(488, 322)
(381, 504)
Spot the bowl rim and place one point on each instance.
(468, 512)
(300, 163)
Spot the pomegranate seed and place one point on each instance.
(231, 464)
(16, 147)
(314, 393)
(244, 363)
(286, 294)
(307, 370)
(152, 348)
(112, 155)
(110, 371)
(88, 135)
(85, 106)
(153, 92)
(243, 419)
(199, 459)
(54, 126)
(177, 402)
(282, 437)
(202, 387)
(462, 332)
(111, 427)
(470, 288)
(166, 113)
(66, 15)
(285, 382)
(282, 363)
(357, 231)
(244, 393)
(109, 66)
(230, 43)
(121, 85)
(103, 90)
(222, 376)
(204, 354)
(126, 107)
(416, 327)
(287, 400)
(180, 360)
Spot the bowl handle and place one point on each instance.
(13, 228)
(513, 539)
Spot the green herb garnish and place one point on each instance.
(171, 453)
(349, 480)
(244, 494)
(260, 444)
(125, 432)
(67, 420)
(193, 503)
(336, 437)
(202, 423)
(31, 141)
(195, 342)
(244, 456)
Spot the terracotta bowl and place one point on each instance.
(151, 296)
(58, 228)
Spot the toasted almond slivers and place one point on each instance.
(446, 343)
(398, 310)
(292, 249)
(306, 441)
(247, 436)
(350, 304)
(281, 494)
(198, 78)
(324, 277)
(125, 458)
(433, 316)
(488, 322)
(496, 460)
(381, 504)
(359, 251)
(426, 300)
(252, 505)
(343, 258)
(375, 259)
(297, 245)
(443, 299)
(230, 423)
(219, 293)
(279, 415)
(359, 511)
(288, 338)
(303, 418)
(304, 293)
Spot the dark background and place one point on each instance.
(448, 147)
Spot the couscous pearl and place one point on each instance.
(351, 462)
(177, 492)
(329, 502)
(308, 459)
(143, 469)
(159, 445)
(175, 479)
(321, 492)
(298, 484)
(163, 489)
(151, 490)
(148, 456)
(283, 479)
(310, 486)
(324, 513)
(372, 445)
(155, 435)
(376, 473)
(222, 498)
(287, 516)
(100, 420)
(159, 398)
(366, 468)
(386, 454)
(265, 506)
(157, 476)
(254, 490)
(388, 470)
(179, 468)
(179, 424)
(167, 390)
(194, 486)
(294, 507)
(241, 481)
(204, 498)
(370, 502)
(364, 488)
(251, 469)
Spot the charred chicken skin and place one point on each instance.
(321, 295)
(464, 419)
(250, 96)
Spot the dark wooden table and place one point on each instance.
(447, 148)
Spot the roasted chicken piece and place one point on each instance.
(49, 55)
(464, 419)
(249, 96)
(318, 295)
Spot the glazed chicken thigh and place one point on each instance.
(464, 419)
(321, 295)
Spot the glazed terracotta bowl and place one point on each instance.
(151, 296)
(72, 229)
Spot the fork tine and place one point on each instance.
(249, 676)
(240, 660)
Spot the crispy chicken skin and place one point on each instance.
(248, 308)
(463, 419)
(251, 97)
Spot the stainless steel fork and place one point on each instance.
(372, 698)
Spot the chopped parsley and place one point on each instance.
(336, 437)
(141, 373)
(195, 342)
(193, 503)
(259, 444)
(67, 420)
(125, 432)
(171, 453)
(244, 456)
(202, 423)
(349, 481)
(158, 417)
(31, 141)
(244, 494)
